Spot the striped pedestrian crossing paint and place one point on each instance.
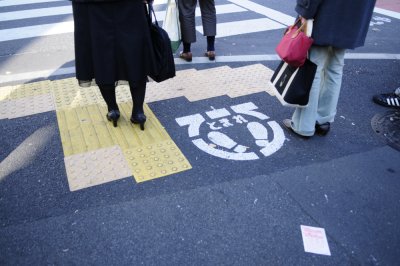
(273, 20)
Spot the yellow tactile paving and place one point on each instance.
(28, 90)
(88, 138)
(156, 160)
(68, 94)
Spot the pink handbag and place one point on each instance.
(294, 46)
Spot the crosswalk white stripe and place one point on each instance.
(388, 13)
(35, 31)
(4, 3)
(34, 13)
(268, 12)
(246, 26)
(68, 27)
(67, 10)
(388, 101)
(392, 101)
(397, 102)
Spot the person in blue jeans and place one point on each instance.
(337, 25)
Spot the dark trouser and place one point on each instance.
(187, 9)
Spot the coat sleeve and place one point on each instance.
(308, 8)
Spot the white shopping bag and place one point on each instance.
(172, 26)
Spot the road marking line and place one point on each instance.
(68, 26)
(36, 13)
(67, 10)
(35, 31)
(245, 26)
(24, 2)
(196, 60)
(268, 12)
(386, 12)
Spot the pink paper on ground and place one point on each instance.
(314, 240)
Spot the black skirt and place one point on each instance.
(112, 42)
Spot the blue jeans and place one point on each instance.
(324, 92)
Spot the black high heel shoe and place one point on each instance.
(139, 118)
(113, 116)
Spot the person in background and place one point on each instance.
(187, 9)
(388, 99)
(112, 40)
(338, 25)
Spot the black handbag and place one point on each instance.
(161, 61)
(292, 85)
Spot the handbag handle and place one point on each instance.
(298, 30)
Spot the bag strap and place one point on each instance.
(151, 14)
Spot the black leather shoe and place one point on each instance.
(322, 129)
(113, 116)
(288, 125)
(139, 118)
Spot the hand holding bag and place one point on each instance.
(292, 85)
(161, 61)
(171, 25)
(294, 45)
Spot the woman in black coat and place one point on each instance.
(112, 41)
(338, 25)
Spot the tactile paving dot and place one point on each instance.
(30, 89)
(30, 105)
(156, 160)
(4, 109)
(96, 167)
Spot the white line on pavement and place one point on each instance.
(388, 13)
(68, 27)
(268, 12)
(245, 26)
(196, 60)
(24, 2)
(35, 13)
(67, 10)
(35, 31)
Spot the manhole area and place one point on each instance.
(387, 125)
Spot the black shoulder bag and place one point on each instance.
(161, 61)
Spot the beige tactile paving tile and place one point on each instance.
(30, 105)
(212, 82)
(250, 79)
(96, 167)
(4, 109)
(172, 88)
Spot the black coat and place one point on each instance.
(338, 23)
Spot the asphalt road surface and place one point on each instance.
(230, 207)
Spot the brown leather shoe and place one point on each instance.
(210, 55)
(186, 56)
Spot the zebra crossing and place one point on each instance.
(41, 23)
(273, 19)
